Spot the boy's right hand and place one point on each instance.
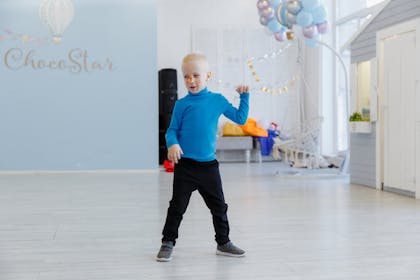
(242, 89)
(174, 153)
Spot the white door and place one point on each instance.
(399, 75)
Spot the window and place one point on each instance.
(363, 87)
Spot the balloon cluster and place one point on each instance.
(280, 15)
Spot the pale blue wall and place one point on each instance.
(56, 120)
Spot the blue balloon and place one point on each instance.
(274, 26)
(304, 19)
(319, 14)
(275, 3)
(309, 5)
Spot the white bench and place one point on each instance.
(232, 143)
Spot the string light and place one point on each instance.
(280, 89)
(285, 86)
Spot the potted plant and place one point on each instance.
(358, 124)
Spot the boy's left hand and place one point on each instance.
(242, 89)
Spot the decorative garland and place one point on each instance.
(284, 88)
(8, 34)
(279, 16)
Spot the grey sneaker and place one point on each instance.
(230, 250)
(165, 252)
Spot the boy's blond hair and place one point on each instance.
(198, 58)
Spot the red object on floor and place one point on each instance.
(168, 165)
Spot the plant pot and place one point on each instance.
(360, 127)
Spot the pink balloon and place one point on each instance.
(322, 27)
(262, 4)
(280, 36)
(310, 31)
(268, 13)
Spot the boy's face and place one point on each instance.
(196, 75)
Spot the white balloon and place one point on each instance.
(263, 20)
(291, 18)
(294, 7)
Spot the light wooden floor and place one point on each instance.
(107, 226)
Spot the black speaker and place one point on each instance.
(168, 95)
(163, 151)
(167, 101)
(164, 121)
(167, 79)
(163, 154)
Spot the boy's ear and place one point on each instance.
(208, 75)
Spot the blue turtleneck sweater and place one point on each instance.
(194, 122)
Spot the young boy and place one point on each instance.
(191, 142)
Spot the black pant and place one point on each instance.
(191, 175)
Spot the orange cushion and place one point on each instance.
(251, 128)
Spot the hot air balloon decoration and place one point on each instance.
(57, 15)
